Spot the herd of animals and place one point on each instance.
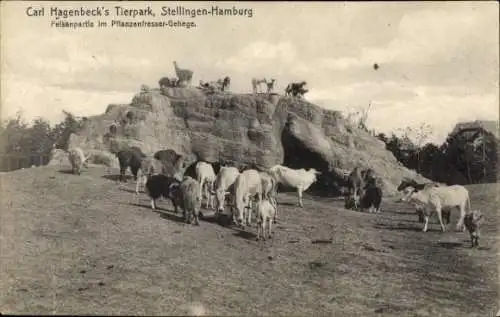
(247, 190)
(184, 77)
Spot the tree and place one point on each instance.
(62, 131)
(417, 137)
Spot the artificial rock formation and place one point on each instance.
(243, 129)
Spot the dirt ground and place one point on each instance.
(87, 245)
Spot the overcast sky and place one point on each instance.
(438, 62)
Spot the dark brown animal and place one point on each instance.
(131, 157)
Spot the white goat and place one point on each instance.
(299, 179)
(256, 84)
(265, 212)
(149, 167)
(206, 176)
(247, 185)
(77, 160)
(434, 199)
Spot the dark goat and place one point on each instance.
(159, 186)
(131, 157)
(171, 161)
(371, 197)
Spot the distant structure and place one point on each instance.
(478, 134)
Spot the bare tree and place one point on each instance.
(418, 136)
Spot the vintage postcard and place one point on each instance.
(249, 158)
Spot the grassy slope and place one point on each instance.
(85, 245)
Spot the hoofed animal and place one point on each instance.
(270, 85)
(184, 75)
(206, 177)
(224, 83)
(187, 196)
(149, 167)
(434, 199)
(445, 211)
(160, 185)
(131, 157)
(296, 89)
(472, 220)
(256, 84)
(265, 212)
(300, 179)
(224, 182)
(419, 209)
(269, 190)
(355, 183)
(247, 185)
(77, 160)
(173, 164)
(371, 196)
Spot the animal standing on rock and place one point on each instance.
(265, 212)
(131, 157)
(472, 220)
(158, 186)
(184, 75)
(172, 163)
(300, 179)
(270, 85)
(434, 199)
(371, 196)
(256, 84)
(77, 160)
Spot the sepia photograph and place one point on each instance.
(249, 158)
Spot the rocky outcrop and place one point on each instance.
(261, 129)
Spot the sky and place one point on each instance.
(438, 61)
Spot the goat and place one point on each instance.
(206, 177)
(224, 182)
(247, 185)
(299, 179)
(371, 195)
(269, 190)
(77, 160)
(149, 167)
(158, 186)
(256, 84)
(296, 89)
(472, 220)
(187, 195)
(265, 213)
(270, 85)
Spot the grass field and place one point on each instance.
(86, 245)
